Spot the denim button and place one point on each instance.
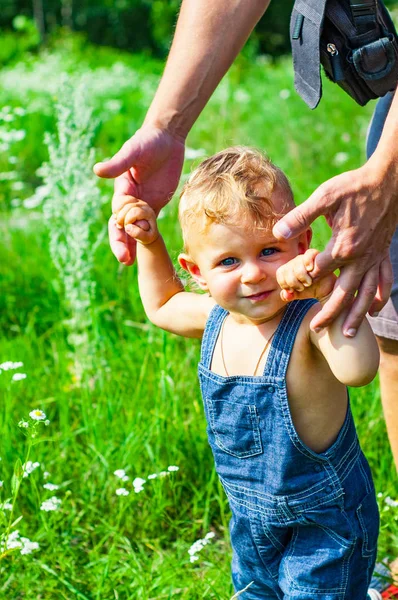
(328, 489)
(271, 389)
(317, 468)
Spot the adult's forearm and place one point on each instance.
(208, 37)
(385, 157)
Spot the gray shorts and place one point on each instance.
(386, 324)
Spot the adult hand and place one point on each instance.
(147, 167)
(361, 207)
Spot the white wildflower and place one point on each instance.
(284, 94)
(199, 545)
(37, 415)
(46, 422)
(18, 376)
(122, 492)
(46, 474)
(390, 502)
(172, 468)
(29, 467)
(6, 366)
(51, 486)
(163, 473)
(241, 96)
(28, 546)
(50, 505)
(15, 541)
(152, 476)
(191, 153)
(121, 473)
(19, 111)
(1, 484)
(340, 158)
(23, 424)
(6, 506)
(138, 481)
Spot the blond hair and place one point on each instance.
(234, 183)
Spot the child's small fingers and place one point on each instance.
(287, 295)
(135, 213)
(139, 230)
(120, 200)
(292, 282)
(120, 216)
(301, 273)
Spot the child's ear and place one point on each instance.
(304, 240)
(192, 268)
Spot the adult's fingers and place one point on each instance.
(386, 279)
(363, 300)
(121, 162)
(301, 217)
(342, 296)
(122, 246)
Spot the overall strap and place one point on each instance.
(282, 345)
(210, 335)
(305, 33)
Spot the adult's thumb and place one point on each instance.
(298, 219)
(121, 162)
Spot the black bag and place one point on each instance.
(358, 46)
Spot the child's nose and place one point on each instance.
(252, 273)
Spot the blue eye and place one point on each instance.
(228, 262)
(268, 251)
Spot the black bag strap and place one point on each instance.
(364, 14)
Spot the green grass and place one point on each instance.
(141, 409)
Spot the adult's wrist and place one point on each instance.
(169, 121)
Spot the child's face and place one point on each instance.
(237, 266)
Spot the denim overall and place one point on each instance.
(304, 525)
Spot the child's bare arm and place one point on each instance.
(353, 361)
(162, 293)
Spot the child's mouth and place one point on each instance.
(260, 296)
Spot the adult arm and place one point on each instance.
(361, 206)
(208, 37)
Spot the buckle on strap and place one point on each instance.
(364, 8)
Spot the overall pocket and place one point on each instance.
(235, 427)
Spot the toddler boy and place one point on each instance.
(304, 516)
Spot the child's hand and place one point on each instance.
(138, 220)
(296, 282)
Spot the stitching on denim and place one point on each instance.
(350, 465)
(246, 379)
(269, 534)
(291, 499)
(369, 487)
(258, 544)
(291, 322)
(212, 328)
(346, 454)
(365, 544)
(317, 487)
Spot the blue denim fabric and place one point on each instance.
(304, 525)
